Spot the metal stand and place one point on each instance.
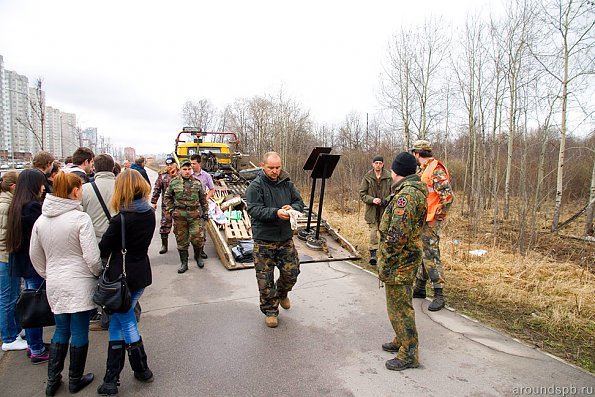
(323, 169)
(309, 165)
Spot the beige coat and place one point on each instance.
(5, 199)
(105, 182)
(64, 251)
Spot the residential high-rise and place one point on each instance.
(53, 131)
(19, 114)
(71, 134)
(5, 141)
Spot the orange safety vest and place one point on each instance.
(433, 198)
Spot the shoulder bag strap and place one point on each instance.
(101, 200)
(122, 219)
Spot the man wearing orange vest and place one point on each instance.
(435, 175)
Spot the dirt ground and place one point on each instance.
(544, 297)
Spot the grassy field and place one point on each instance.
(545, 298)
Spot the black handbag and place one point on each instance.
(33, 309)
(114, 296)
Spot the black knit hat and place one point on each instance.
(378, 158)
(404, 164)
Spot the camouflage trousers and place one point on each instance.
(166, 222)
(373, 237)
(267, 256)
(431, 268)
(188, 228)
(402, 317)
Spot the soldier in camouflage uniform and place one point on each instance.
(186, 201)
(435, 175)
(270, 196)
(161, 184)
(400, 254)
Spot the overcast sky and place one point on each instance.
(127, 67)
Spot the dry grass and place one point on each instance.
(544, 298)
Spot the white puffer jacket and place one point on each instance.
(64, 251)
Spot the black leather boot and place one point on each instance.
(419, 291)
(163, 249)
(55, 366)
(183, 261)
(78, 357)
(438, 302)
(116, 356)
(138, 361)
(198, 257)
(373, 258)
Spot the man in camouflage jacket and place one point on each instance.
(435, 175)
(186, 201)
(400, 254)
(161, 184)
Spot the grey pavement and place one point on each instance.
(205, 336)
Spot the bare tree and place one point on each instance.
(396, 90)
(591, 203)
(567, 55)
(35, 120)
(199, 114)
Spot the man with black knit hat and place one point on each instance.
(435, 175)
(399, 255)
(373, 191)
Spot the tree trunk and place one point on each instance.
(589, 221)
(561, 153)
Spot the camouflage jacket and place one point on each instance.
(400, 247)
(371, 188)
(161, 185)
(185, 194)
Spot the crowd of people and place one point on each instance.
(62, 225)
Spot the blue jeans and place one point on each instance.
(34, 335)
(72, 324)
(123, 326)
(10, 288)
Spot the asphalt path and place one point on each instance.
(205, 336)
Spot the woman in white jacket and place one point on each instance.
(64, 251)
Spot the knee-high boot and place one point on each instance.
(78, 358)
(138, 361)
(198, 257)
(116, 356)
(55, 366)
(163, 249)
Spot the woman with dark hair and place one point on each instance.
(9, 286)
(64, 251)
(130, 197)
(22, 214)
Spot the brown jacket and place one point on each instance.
(372, 188)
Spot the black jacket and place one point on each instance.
(264, 198)
(20, 262)
(139, 233)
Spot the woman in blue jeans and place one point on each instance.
(131, 199)
(64, 251)
(22, 214)
(9, 286)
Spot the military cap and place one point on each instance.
(169, 161)
(184, 163)
(422, 144)
(378, 158)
